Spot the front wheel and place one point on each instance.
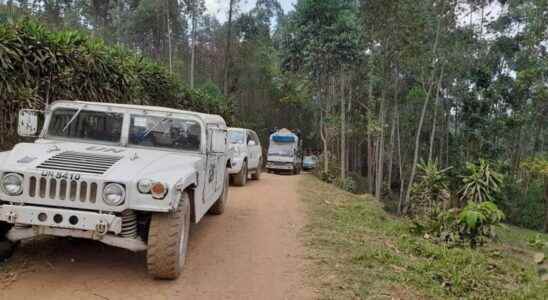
(240, 179)
(257, 174)
(168, 241)
(6, 246)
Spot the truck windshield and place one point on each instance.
(276, 149)
(236, 137)
(172, 133)
(86, 124)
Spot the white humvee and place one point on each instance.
(246, 155)
(129, 176)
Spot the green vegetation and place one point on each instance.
(360, 251)
(38, 66)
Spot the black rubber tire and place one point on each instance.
(257, 174)
(7, 248)
(240, 179)
(168, 241)
(4, 228)
(219, 207)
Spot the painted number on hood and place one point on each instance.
(61, 175)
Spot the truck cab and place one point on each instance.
(284, 152)
(126, 175)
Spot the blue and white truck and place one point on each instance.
(285, 151)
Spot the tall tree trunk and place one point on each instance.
(545, 203)
(392, 130)
(423, 113)
(193, 46)
(380, 156)
(227, 47)
(343, 130)
(433, 133)
(401, 203)
(370, 179)
(323, 134)
(169, 50)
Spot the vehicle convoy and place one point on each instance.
(246, 155)
(285, 151)
(128, 176)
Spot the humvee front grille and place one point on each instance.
(62, 189)
(80, 162)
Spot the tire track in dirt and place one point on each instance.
(250, 252)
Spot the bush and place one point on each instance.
(38, 66)
(477, 222)
(430, 190)
(472, 225)
(522, 208)
(481, 183)
(348, 184)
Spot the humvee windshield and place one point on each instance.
(86, 124)
(172, 133)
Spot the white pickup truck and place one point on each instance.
(129, 176)
(247, 155)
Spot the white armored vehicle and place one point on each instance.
(246, 155)
(129, 176)
(284, 152)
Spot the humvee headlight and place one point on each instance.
(158, 190)
(114, 194)
(144, 186)
(12, 184)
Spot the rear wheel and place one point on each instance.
(240, 179)
(219, 207)
(168, 241)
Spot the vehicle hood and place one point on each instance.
(134, 163)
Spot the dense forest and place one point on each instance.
(425, 104)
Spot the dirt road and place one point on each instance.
(250, 252)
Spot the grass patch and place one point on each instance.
(360, 251)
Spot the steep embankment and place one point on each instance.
(360, 251)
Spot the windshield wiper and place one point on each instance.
(73, 118)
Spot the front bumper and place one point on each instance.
(279, 166)
(66, 223)
(236, 165)
(62, 218)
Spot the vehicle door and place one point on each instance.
(256, 149)
(251, 155)
(214, 179)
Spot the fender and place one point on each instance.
(192, 180)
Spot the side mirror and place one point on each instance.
(252, 143)
(30, 122)
(218, 141)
